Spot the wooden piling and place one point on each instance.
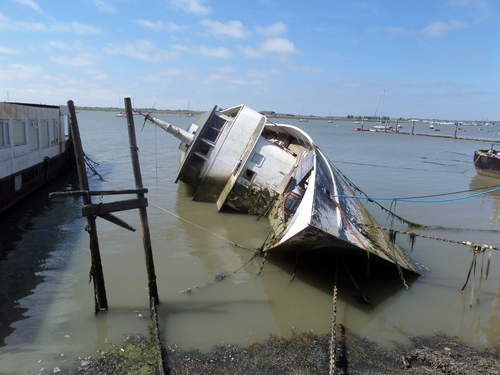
(96, 273)
(146, 237)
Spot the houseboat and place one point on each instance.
(243, 163)
(33, 149)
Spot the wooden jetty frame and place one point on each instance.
(105, 211)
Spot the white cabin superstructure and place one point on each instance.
(32, 141)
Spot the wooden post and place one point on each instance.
(101, 301)
(456, 129)
(413, 127)
(146, 238)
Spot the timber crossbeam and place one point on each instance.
(106, 208)
(97, 192)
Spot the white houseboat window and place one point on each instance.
(44, 133)
(258, 159)
(33, 136)
(53, 132)
(4, 133)
(19, 132)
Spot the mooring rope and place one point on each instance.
(222, 276)
(200, 227)
(412, 200)
(465, 243)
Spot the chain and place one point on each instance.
(333, 333)
(482, 248)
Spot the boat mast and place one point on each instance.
(181, 134)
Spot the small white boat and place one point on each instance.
(382, 127)
(240, 161)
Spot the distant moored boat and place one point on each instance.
(487, 162)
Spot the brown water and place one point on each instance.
(47, 302)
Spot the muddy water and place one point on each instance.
(47, 303)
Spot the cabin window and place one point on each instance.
(214, 128)
(19, 132)
(54, 139)
(217, 123)
(34, 137)
(258, 159)
(211, 135)
(4, 134)
(44, 133)
(248, 175)
(203, 148)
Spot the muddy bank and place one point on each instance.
(304, 353)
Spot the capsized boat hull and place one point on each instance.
(329, 222)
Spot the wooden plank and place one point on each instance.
(101, 301)
(116, 220)
(97, 192)
(104, 208)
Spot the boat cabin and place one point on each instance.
(32, 138)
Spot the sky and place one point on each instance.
(408, 58)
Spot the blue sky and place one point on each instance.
(433, 58)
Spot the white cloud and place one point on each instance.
(30, 83)
(159, 25)
(192, 6)
(100, 77)
(9, 51)
(75, 27)
(183, 73)
(213, 51)
(439, 28)
(275, 29)
(58, 45)
(277, 46)
(30, 3)
(395, 30)
(226, 69)
(141, 50)
(104, 7)
(79, 60)
(232, 29)
(7, 24)
(180, 47)
(19, 72)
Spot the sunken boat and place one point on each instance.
(243, 162)
(487, 162)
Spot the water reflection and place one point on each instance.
(296, 287)
(478, 181)
(29, 235)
